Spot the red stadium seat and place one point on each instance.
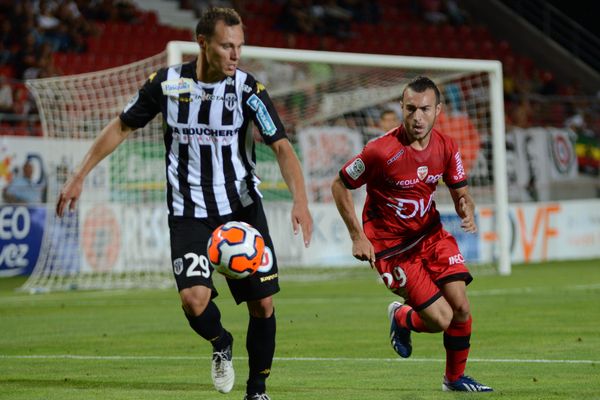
(452, 48)
(430, 32)
(60, 59)
(447, 31)
(94, 44)
(138, 31)
(527, 66)
(465, 32)
(481, 33)
(470, 50)
(487, 50)
(418, 47)
(504, 49)
(414, 32)
(122, 47)
(149, 18)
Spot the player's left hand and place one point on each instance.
(301, 218)
(468, 221)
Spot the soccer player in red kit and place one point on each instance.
(402, 235)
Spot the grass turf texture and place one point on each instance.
(536, 336)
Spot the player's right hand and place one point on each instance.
(363, 250)
(68, 196)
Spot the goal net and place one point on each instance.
(330, 104)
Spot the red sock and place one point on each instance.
(407, 318)
(457, 342)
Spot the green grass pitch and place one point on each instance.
(536, 336)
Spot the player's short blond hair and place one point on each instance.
(208, 20)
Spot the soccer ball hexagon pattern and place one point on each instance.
(235, 249)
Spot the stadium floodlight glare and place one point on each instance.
(309, 88)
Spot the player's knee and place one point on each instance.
(461, 312)
(193, 302)
(262, 308)
(442, 319)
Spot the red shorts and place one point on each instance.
(418, 273)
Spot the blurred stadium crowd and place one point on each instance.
(44, 38)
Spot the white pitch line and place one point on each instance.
(306, 359)
(92, 298)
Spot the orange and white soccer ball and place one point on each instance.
(236, 249)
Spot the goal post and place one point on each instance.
(446, 69)
(328, 101)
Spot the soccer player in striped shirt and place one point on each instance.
(402, 235)
(208, 107)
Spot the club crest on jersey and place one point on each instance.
(230, 100)
(356, 169)
(176, 86)
(422, 172)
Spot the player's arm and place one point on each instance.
(362, 248)
(465, 208)
(109, 139)
(291, 171)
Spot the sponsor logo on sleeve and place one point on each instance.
(355, 169)
(460, 169)
(263, 116)
(456, 259)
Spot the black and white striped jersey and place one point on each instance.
(210, 158)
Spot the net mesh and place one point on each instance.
(86, 248)
(330, 111)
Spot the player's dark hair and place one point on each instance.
(208, 20)
(421, 84)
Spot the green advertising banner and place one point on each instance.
(272, 185)
(137, 171)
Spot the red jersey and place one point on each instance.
(401, 182)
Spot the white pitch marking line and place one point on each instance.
(318, 359)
